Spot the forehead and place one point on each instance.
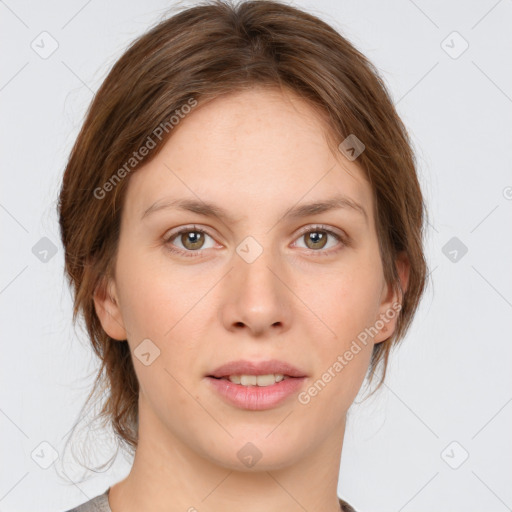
(257, 150)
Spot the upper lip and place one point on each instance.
(244, 367)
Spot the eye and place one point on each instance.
(191, 238)
(317, 238)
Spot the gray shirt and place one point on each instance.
(100, 504)
(97, 504)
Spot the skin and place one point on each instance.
(256, 153)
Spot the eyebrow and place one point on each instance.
(209, 209)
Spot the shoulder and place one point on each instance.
(345, 507)
(96, 504)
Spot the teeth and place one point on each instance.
(256, 380)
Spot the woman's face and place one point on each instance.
(267, 280)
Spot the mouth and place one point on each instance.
(255, 380)
(256, 392)
(256, 385)
(262, 370)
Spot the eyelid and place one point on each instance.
(168, 236)
(330, 229)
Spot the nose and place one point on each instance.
(256, 297)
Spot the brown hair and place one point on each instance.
(202, 52)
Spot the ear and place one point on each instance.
(108, 310)
(391, 301)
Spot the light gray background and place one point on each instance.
(450, 381)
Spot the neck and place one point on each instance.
(168, 475)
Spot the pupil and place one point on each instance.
(317, 238)
(192, 239)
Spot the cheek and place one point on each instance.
(349, 297)
(154, 305)
(151, 297)
(348, 309)
(348, 303)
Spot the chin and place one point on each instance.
(256, 452)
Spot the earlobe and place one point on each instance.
(108, 310)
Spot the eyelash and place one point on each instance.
(199, 253)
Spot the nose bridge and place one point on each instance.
(256, 265)
(257, 295)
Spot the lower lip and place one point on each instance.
(256, 398)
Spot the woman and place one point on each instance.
(242, 225)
